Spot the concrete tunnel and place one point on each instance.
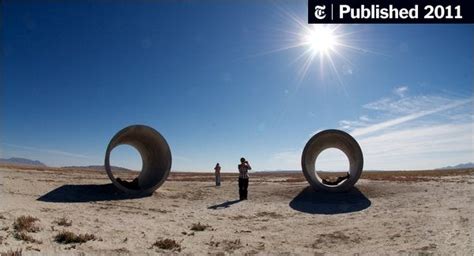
(155, 154)
(156, 157)
(332, 139)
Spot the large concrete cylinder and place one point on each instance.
(332, 139)
(155, 154)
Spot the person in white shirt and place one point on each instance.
(244, 168)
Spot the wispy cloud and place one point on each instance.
(410, 117)
(416, 132)
(403, 132)
(49, 151)
(423, 139)
(409, 104)
(400, 91)
(421, 147)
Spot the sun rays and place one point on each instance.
(325, 48)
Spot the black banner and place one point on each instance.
(373, 11)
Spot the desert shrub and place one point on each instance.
(167, 244)
(25, 237)
(67, 237)
(199, 227)
(25, 223)
(63, 222)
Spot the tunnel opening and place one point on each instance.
(332, 167)
(126, 165)
(154, 152)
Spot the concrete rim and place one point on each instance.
(332, 139)
(155, 154)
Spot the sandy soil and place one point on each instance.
(387, 214)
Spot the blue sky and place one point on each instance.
(217, 81)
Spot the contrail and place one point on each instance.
(404, 119)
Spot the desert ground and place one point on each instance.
(73, 212)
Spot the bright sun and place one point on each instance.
(320, 39)
(325, 45)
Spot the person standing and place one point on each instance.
(244, 168)
(217, 172)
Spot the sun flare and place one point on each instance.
(320, 39)
(325, 48)
(321, 42)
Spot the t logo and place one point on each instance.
(319, 12)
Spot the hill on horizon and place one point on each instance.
(25, 162)
(21, 161)
(460, 166)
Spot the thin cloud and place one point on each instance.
(49, 151)
(407, 105)
(400, 91)
(419, 147)
(442, 136)
(400, 120)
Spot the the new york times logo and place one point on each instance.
(319, 12)
(383, 11)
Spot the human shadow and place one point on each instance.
(86, 193)
(319, 202)
(223, 205)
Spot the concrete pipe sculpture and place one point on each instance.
(332, 139)
(155, 154)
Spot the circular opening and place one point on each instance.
(332, 140)
(126, 164)
(154, 151)
(332, 167)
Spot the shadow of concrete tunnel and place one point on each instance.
(155, 154)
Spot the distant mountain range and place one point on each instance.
(460, 166)
(18, 161)
(21, 161)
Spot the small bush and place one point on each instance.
(167, 244)
(11, 253)
(25, 237)
(67, 237)
(63, 222)
(25, 223)
(198, 227)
